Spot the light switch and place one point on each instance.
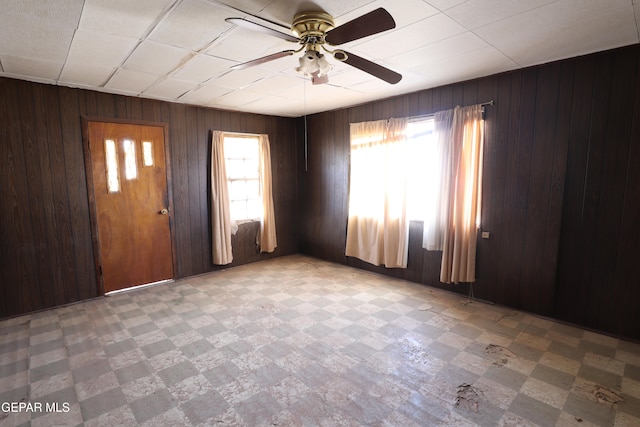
(485, 234)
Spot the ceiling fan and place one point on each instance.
(313, 31)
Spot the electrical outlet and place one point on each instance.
(485, 234)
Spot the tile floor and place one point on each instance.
(296, 341)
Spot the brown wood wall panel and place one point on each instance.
(561, 190)
(46, 250)
(627, 292)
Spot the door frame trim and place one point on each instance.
(93, 215)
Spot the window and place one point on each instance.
(423, 169)
(413, 164)
(113, 175)
(130, 163)
(241, 190)
(242, 161)
(147, 153)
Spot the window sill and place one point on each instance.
(246, 221)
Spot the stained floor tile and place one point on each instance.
(296, 341)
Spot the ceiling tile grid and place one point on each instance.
(183, 50)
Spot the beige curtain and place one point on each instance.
(221, 224)
(266, 239)
(377, 228)
(464, 196)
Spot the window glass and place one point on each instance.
(111, 162)
(147, 153)
(423, 170)
(130, 164)
(243, 177)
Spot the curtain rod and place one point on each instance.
(482, 104)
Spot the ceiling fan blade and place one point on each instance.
(368, 24)
(242, 22)
(367, 66)
(262, 60)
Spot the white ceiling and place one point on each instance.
(181, 50)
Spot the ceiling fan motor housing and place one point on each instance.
(311, 27)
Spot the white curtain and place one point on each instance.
(377, 229)
(221, 224)
(266, 238)
(462, 195)
(435, 221)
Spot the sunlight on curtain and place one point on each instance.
(221, 223)
(464, 196)
(266, 239)
(422, 169)
(435, 219)
(377, 229)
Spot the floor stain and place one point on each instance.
(598, 392)
(502, 354)
(468, 397)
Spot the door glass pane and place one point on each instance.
(111, 155)
(130, 166)
(147, 153)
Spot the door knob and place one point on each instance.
(164, 212)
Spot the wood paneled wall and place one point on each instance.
(46, 254)
(561, 190)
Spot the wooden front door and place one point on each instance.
(132, 218)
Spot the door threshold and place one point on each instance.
(138, 287)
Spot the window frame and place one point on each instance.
(227, 138)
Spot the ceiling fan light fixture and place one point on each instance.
(314, 63)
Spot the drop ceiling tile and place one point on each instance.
(31, 67)
(169, 89)
(38, 29)
(324, 92)
(422, 33)
(475, 13)
(563, 29)
(204, 94)
(193, 24)
(296, 91)
(376, 86)
(156, 58)
(130, 82)
(100, 49)
(454, 46)
(201, 68)
(80, 43)
(349, 77)
(274, 85)
(275, 105)
(443, 5)
(404, 12)
(249, 6)
(85, 75)
(238, 79)
(464, 67)
(237, 98)
(243, 45)
(122, 17)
